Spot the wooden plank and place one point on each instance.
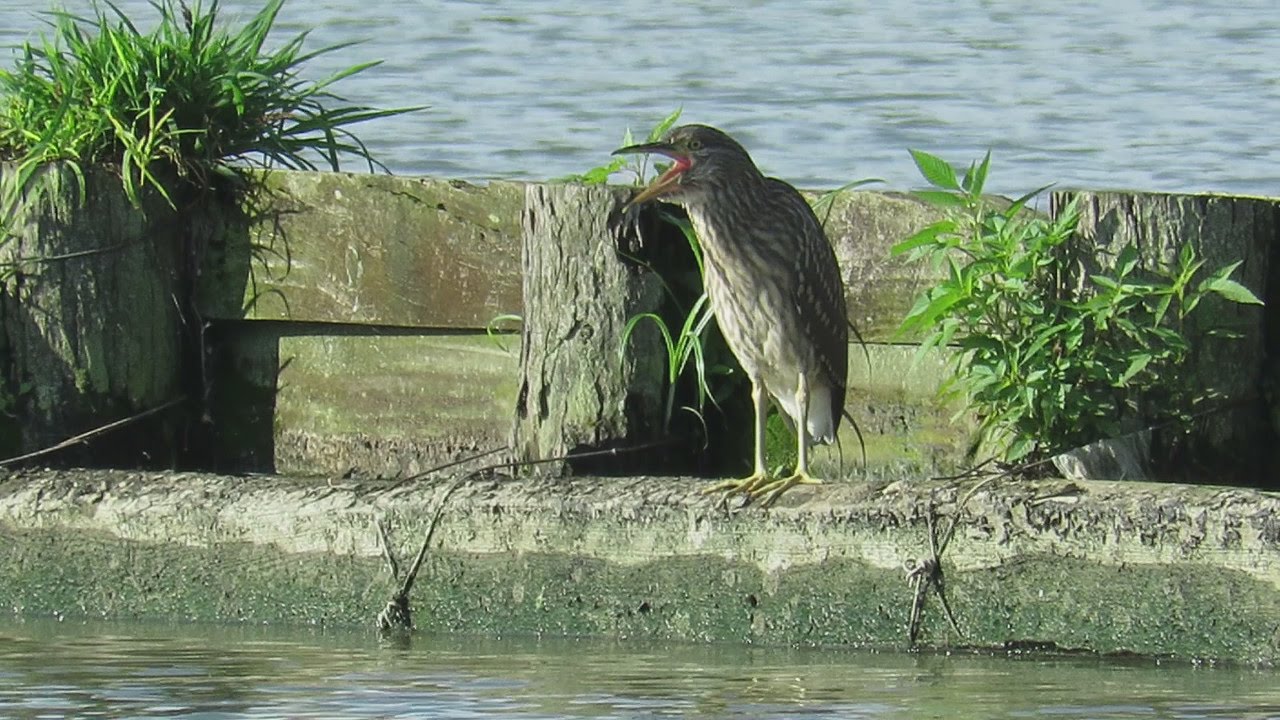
(370, 249)
(421, 252)
(372, 404)
(388, 405)
(879, 289)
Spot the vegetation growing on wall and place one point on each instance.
(186, 107)
(1048, 359)
(175, 106)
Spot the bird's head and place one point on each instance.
(702, 157)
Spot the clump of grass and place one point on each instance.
(174, 106)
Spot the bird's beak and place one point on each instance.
(667, 181)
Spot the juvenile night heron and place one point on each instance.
(774, 286)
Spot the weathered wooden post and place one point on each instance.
(1222, 230)
(90, 297)
(579, 390)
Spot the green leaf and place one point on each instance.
(1105, 282)
(1018, 204)
(1136, 365)
(1186, 254)
(1127, 260)
(941, 199)
(937, 171)
(597, 175)
(493, 328)
(661, 128)
(1233, 291)
(976, 177)
(926, 236)
(1162, 308)
(823, 205)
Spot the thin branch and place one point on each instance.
(91, 434)
(65, 256)
(445, 466)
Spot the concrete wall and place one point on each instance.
(1175, 571)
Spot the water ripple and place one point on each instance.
(1176, 95)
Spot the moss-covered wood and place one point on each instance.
(879, 289)
(579, 388)
(91, 300)
(370, 402)
(371, 249)
(909, 431)
(1169, 570)
(422, 252)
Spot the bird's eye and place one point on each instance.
(695, 144)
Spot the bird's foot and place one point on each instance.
(769, 492)
(746, 486)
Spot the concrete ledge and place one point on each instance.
(1182, 571)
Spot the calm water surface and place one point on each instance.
(74, 669)
(1177, 95)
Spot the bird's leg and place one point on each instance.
(771, 491)
(760, 399)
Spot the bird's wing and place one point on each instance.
(819, 292)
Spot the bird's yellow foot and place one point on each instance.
(772, 490)
(746, 485)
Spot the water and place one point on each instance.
(73, 669)
(1174, 95)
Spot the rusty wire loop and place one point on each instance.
(923, 575)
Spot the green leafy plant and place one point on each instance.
(637, 164)
(172, 106)
(1050, 357)
(495, 329)
(687, 344)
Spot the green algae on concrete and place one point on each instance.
(1179, 571)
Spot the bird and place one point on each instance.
(774, 285)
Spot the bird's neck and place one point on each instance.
(717, 208)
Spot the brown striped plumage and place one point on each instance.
(773, 282)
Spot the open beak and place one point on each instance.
(667, 181)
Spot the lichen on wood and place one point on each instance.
(580, 389)
(92, 291)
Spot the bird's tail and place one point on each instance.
(824, 415)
